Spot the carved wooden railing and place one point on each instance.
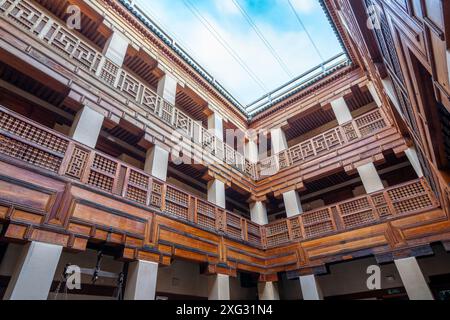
(30, 142)
(360, 127)
(56, 36)
(408, 198)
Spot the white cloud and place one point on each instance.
(305, 6)
(226, 7)
(292, 46)
(295, 51)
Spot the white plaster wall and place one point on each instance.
(239, 293)
(182, 278)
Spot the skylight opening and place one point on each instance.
(255, 51)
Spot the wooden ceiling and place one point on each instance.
(191, 106)
(309, 122)
(92, 26)
(331, 180)
(126, 136)
(319, 116)
(143, 66)
(30, 85)
(188, 172)
(359, 98)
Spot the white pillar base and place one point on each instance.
(156, 162)
(219, 287)
(34, 272)
(141, 281)
(341, 111)
(292, 203)
(411, 153)
(268, 291)
(310, 288)
(216, 193)
(413, 279)
(87, 126)
(258, 213)
(370, 178)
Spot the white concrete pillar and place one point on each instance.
(87, 126)
(374, 93)
(310, 288)
(258, 213)
(279, 142)
(167, 88)
(141, 281)
(370, 178)
(216, 193)
(219, 287)
(215, 125)
(251, 151)
(341, 111)
(116, 48)
(156, 162)
(34, 272)
(413, 279)
(292, 203)
(216, 188)
(268, 291)
(411, 153)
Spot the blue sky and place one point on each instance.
(274, 18)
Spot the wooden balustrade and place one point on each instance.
(58, 37)
(25, 140)
(411, 197)
(322, 143)
(30, 142)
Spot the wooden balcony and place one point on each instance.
(27, 141)
(57, 37)
(412, 197)
(323, 143)
(142, 107)
(56, 190)
(148, 106)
